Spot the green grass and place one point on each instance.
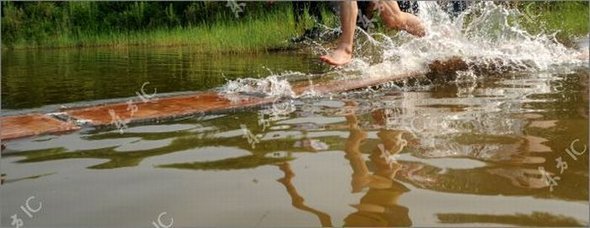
(248, 34)
(568, 19)
(272, 31)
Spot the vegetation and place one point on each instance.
(212, 26)
(209, 26)
(567, 19)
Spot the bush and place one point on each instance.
(12, 23)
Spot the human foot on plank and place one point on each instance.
(339, 57)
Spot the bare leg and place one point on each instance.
(397, 19)
(343, 53)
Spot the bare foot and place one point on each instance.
(339, 57)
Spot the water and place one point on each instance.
(472, 151)
(33, 79)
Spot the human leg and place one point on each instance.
(343, 53)
(394, 18)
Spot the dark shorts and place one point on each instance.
(408, 6)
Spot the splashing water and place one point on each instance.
(271, 86)
(486, 34)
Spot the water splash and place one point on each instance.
(486, 36)
(271, 86)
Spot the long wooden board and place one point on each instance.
(164, 108)
(341, 85)
(172, 107)
(12, 127)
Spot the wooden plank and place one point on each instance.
(13, 127)
(163, 108)
(336, 86)
(205, 102)
(177, 106)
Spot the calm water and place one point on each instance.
(459, 153)
(31, 79)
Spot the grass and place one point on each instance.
(248, 34)
(272, 31)
(570, 20)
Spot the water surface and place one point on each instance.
(481, 149)
(464, 153)
(34, 78)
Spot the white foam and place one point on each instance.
(489, 36)
(271, 86)
(485, 34)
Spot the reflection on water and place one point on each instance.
(494, 149)
(534, 219)
(465, 152)
(33, 78)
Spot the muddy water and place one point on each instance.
(493, 149)
(476, 151)
(32, 79)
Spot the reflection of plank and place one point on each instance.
(13, 127)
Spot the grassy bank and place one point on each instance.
(208, 26)
(569, 20)
(205, 26)
(250, 35)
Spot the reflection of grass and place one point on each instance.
(534, 219)
(29, 177)
(183, 141)
(245, 162)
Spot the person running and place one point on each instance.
(390, 13)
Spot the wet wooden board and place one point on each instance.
(164, 108)
(172, 107)
(341, 85)
(13, 127)
(206, 102)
